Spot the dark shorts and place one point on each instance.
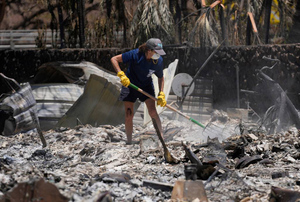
(130, 95)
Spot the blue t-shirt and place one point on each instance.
(140, 69)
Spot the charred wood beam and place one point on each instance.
(219, 166)
(193, 158)
(39, 130)
(212, 176)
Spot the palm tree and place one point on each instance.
(81, 19)
(208, 28)
(206, 31)
(152, 18)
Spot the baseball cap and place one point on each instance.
(156, 45)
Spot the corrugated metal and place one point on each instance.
(53, 101)
(22, 106)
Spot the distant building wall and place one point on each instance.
(223, 68)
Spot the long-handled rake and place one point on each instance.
(168, 106)
(210, 130)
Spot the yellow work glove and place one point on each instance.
(124, 79)
(161, 100)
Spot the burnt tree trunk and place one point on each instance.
(248, 31)
(121, 18)
(268, 4)
(81, 16)
(61, 26)
(176, 11)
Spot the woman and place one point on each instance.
(143, 62)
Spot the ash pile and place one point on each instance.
(230, 159)
(95, 164)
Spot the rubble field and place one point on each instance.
(95, 163)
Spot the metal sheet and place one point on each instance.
(56, 92)
(22, 106)
(98, 105)
(53, 101)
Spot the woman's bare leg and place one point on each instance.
(129, 120)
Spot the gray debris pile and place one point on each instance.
(95, 164)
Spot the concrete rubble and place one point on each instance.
(95, 164)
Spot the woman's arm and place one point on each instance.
(115, 62)
(161, 82)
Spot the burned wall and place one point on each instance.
(23, 64)
(228, 64)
